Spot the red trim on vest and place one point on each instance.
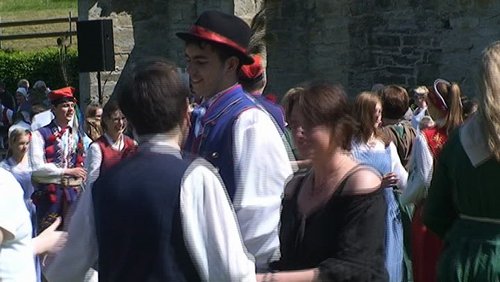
(111, 157)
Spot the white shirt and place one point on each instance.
(16, 251)
(261, 169)
(41, 119)
(94, 158)
(421, 164)
(43, 169)
(210, 229)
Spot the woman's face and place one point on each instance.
(377, 115)
(420, 101)
(299, 139)
(317, 140)
(21, 145)
(20, 98)
(98, 114)
(116, 123)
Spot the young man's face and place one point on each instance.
(64, 111)
(206, 70)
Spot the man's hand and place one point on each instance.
(78, 172)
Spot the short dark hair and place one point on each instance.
(325, 104)
(395, 101)
(154, 99)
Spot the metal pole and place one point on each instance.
(70, 37)
(99, 90)
(0, 34)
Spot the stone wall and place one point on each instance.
(360, 43)
(354, 43)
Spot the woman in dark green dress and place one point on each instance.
(463, 202)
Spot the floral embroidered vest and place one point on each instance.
(436, 138)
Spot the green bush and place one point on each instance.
(48, 65)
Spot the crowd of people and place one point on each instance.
(231, 186)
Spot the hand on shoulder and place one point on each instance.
(363, 181)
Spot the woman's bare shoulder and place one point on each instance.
(363, 181)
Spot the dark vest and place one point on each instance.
(138, 221)
(111, 157)
(215, 143)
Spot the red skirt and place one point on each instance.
(426, 248)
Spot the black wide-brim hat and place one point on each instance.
(222, 29)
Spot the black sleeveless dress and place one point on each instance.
(344, 238)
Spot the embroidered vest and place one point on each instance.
(110, 156)
(215, 143)
(436, 138)
(53, 151)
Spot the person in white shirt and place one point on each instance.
(179, 222)
(16, 245)
(110, 148)
(233, 133)
(57, 156)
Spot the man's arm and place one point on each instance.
(261, 169)
(210, 228)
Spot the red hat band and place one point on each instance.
(213, 36)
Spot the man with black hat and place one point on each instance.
(233, 133)
(56, 155)
(155, 216)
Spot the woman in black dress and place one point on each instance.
(333, 217)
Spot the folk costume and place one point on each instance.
(104, 154)
(183, 226)
(426, 245)
(254, 73)
(242, 142)
(52, 150)
(462, 207)
(385, 159)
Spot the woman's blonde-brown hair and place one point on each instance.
(451, 94)
(325, 104)
(364, 110)
(489, 96)
(14, 135)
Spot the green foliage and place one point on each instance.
(47, 64)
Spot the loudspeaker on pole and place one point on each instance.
(96, 50)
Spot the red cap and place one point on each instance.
(63, 94)
(252, 71)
